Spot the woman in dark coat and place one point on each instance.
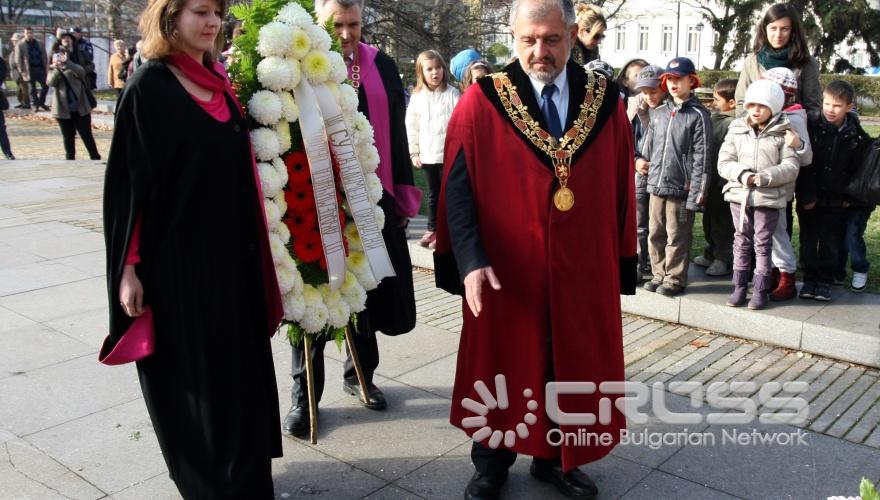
(591, 31)
(186, 237)
(71, 106)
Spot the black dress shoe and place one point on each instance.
(296, 423)
(572, 484)
(484, 487)
(375, 398)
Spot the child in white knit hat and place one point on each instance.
(761, 170)
(784, 259)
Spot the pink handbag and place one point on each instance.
(138, 342)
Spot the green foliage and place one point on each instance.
(866, 86)
(867, 490)
(253, 16)
(498, 50)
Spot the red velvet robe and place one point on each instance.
(557, 316)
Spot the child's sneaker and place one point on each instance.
(808, 290)
(652, 285)
(823, 292)
(702, 261)
(718, 268)
(859, 282)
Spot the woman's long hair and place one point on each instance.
(158, 27)
(424, 57)
(799, 52)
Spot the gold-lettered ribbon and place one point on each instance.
(559, 150)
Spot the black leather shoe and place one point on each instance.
(572, 484)
(296, 423)
(484, 487)
(375, 398)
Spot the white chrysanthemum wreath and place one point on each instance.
(270, 60)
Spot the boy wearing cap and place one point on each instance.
(647, 82)
(837, 139)
(678, 147)
(761, 170)
(798, 138)
(717, 257)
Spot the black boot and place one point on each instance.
(572, 484)
(482, 487)
(296, 423)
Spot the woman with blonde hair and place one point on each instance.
(591, 31)
(428, 114)
(115, 77)
(188, 257)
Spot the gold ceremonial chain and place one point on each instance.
(560, 150)
(355, 70)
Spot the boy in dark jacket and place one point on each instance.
(678, 146)
(717, 257)
(838, 142)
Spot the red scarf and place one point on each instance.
(216, 81)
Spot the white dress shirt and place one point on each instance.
(560, 97)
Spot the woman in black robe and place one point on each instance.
(180, 179)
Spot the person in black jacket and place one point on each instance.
(4, 138)
(837, 139)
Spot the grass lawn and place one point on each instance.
(872, 240)
(872, 130)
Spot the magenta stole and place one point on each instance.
(407, 198)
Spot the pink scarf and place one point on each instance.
(216, 81)
(407, 198)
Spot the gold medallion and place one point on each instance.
(563, 199)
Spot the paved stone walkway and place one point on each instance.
(39, 138)
(71, 428)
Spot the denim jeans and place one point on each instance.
(855, 220)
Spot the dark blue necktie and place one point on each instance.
(551, 115)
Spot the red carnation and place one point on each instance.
(302, 224)
(297, 167)
(299, 197)
(308, 247)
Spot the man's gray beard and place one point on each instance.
(545, 77)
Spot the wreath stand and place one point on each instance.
(310, 380)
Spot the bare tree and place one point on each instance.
(12, 10)
(733, 21)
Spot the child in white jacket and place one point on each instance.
(761, 170)
(428, 114)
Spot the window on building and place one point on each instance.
(666, 46)
(858, 60)
(693, 39)
(620, 39)
(643, 38)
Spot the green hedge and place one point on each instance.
(866, 86)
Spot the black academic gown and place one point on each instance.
(391, 306)
(210, 386)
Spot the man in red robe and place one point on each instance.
(537, 214)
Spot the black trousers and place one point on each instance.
(489, 462)
(718, 227)
(433, 174)
(83, 125)
(38, 77)
(4, 137)
(820, 235)
(368, 354)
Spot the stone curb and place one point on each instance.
(847, 328)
